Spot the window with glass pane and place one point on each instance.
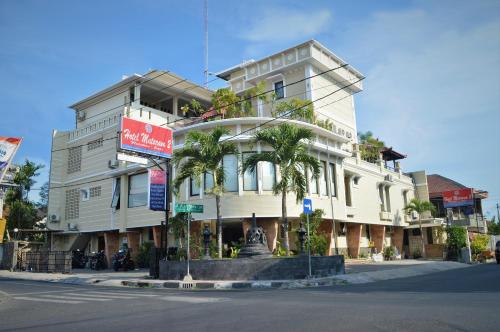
(115, 201)
(313, 183)
(279, 90)
(209, 182)
(323, 185)
(194, 188)
(333, 180)
(230, 163)
(268, 176)
(249, 178)
(138, 190)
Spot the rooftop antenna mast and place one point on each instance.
(205, 16)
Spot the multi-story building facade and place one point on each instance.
(102, 201)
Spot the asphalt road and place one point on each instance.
(457, 300)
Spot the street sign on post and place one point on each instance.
(190, 208)
(307, 206)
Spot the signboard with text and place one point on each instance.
(145, 138)
(454, 198)
(190, 208)
(308, 209)
(8, 147)
(157, 188)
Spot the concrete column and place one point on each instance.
(137, 96)
(353, 239)
(326, 227)
(112, 244)
(123, 203)
(377, 233)
(397, 238)
(157, 236)
(133, 239)
(175, 107)
(271, 228)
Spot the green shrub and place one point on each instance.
(389, 252)
(479, 244)
(417, 254)
(457, 238)
(143, 254)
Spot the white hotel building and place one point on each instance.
(97, 202)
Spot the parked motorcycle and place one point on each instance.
(78, 259)
(122, 260)
(98, 261)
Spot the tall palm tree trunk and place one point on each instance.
(421, 236)
(219, 226)
(285, 223)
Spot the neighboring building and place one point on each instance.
(363, 201)
(471, 216)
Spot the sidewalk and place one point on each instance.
(357, 272)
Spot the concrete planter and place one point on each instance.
(254, 269)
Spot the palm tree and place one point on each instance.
(202, 154)
(420, 207)
(290, 153)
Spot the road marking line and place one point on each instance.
(75, 298)
(128, 294)
(101, 296)
(27, 298)
(192, 299)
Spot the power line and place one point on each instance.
(231, 137)
(266, 103)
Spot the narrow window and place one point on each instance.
(347, 184)
(230, 163)
(115, 201)
(387, 199)
(138, 190)
(381, 198)
(333, 181)
(194, 188)
(208, 182)
(279, 90)
(323, 179)
(268, 176)
(249, 177)
(314, 184)
(429, 235)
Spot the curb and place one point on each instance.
(342, 279)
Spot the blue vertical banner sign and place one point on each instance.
(157, 188)
(308, 206)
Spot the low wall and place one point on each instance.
(253, 269)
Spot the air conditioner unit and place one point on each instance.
(80, 115)
(53, 218)
(113, 163)
(72, 227)
(388, 177)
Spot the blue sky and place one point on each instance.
(432, 67)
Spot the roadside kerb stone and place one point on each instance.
(352, 278)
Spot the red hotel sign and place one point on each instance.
(461, 197)
(145, 138)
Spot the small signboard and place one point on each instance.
(454, 198)
(192, 208)
(157, 190)
(8, 148)
(308, 209)
(145, 138)
(132, 159)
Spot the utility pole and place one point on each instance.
(205, 28)
(498, 213)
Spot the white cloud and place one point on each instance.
(285, 25)
(432, 89)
